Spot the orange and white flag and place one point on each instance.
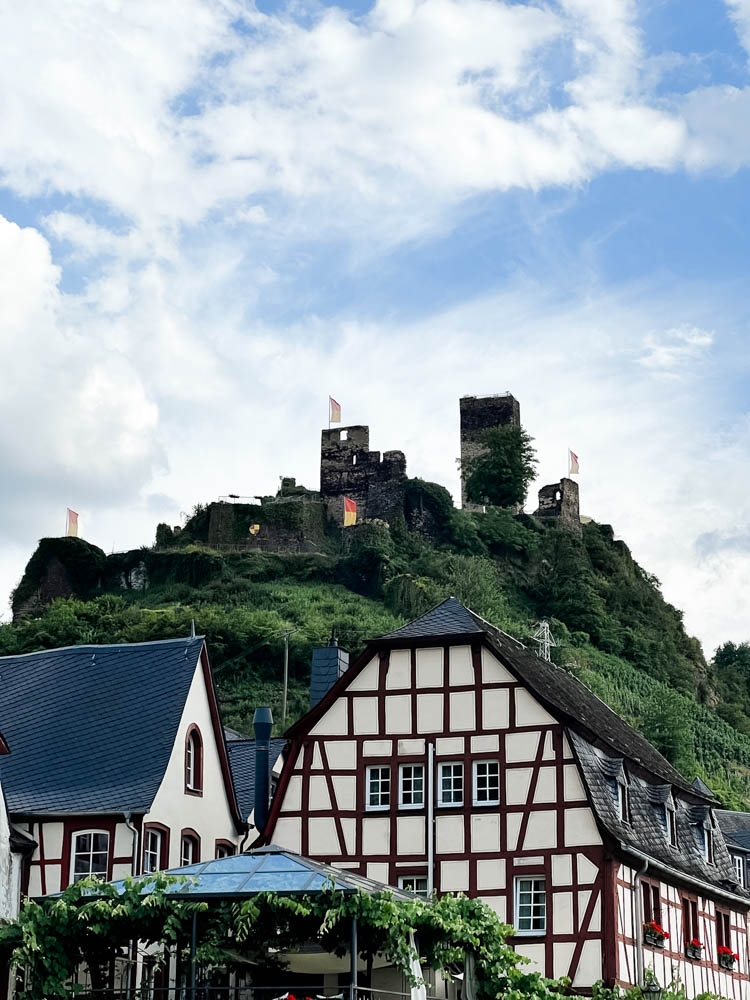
(334, 411)
(350, 512)
(72, 524)
(573, 469)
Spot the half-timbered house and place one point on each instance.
(449, 757)
(119, 764)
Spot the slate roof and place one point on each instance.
(242, 765)
(645, 831)
(555, 687)
(448, 618)
(91, 728)
(736, 827)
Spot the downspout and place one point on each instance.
(430, 830)
(638, 918)
(136, 852)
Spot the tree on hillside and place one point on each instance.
(501, 474)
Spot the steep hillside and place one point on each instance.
(609, 619)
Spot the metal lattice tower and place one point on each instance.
(545, 640)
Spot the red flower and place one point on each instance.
(723, 950)
(695, 943)
(736, 957)
(656, 928)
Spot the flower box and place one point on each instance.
(654, 934)
(727, 957)
(694, 951)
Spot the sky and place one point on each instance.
(214, 214)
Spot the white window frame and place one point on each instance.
(738, 860)
(623, 810)
(369, 774)
(708, 842)
(536, 881)
(452, 803)
(77, 876)
(402, 884)
(402, 779)
(188, 838)
(485, 763)
(149, 851)
(671, 831)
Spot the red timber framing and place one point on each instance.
(480, 711)
(43, 860)
(699, 975)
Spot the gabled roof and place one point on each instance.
(242, 764)
(645, 831)
(557, 689)
(92, 727)
(448, 618)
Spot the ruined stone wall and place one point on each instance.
(349, 468)
(559, 501)
(293, 524)
(480, 414)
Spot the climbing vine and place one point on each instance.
(90, 922)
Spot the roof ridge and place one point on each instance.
(104, 645)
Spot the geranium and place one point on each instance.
(657, 929)
(723, 950)
(695, 943)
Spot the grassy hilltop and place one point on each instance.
(612, 626)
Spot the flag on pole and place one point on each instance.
(350, 512)
(334, 411)
(72, 525)
(573, 469)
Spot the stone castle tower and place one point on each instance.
(348, 468)
(480, 414)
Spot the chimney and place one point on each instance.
(328, 664)
(262, 725)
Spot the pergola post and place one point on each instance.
(353, 961)
(193, 946)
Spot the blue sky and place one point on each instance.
(214, 214)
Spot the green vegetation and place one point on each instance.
(612, 625)
(501, 474)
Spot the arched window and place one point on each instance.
(90, 854)
(190, 847)
(155, 848)
(224, 849)
(193, 761)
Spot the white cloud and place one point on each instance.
(674, 352)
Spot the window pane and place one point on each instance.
(83, 842)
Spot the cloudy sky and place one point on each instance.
(212, 214)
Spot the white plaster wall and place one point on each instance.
(8, 904)
(208, 814)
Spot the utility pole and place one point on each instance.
(544, 640)
(286, 674)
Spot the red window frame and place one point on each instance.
(651, 901)
(194, 748)
(163, 846)
(227, 845)
(187, 833)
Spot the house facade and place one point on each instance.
(119, 764)
(451, 758)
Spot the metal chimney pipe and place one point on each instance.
(262, 725)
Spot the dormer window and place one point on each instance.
(739, 866)
(671, 823)
(706, 840)
(668, 819)
(193, 762)
(619, 789)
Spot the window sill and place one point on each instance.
(486, 805)
(194, 791)
(528, 934)
(408, 807)
(377, 809)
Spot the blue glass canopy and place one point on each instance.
(269, 869)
